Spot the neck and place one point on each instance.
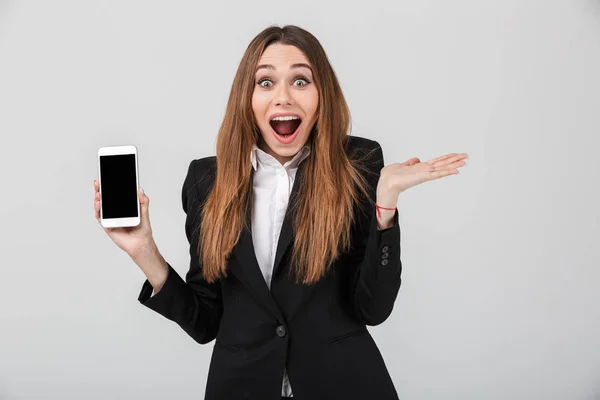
(265, 147)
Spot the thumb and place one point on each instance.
(144, 204)
(412, 161)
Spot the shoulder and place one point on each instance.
(202, 171)
(361, 143)
(202, 166)
(366, 152)
(200, 174)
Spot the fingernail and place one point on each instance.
(141, 190)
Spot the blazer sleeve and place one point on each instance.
(375, 283)
(194, 304)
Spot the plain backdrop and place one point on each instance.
(500, 296)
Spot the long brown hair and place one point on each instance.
(330, 186)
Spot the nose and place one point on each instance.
(283, 95)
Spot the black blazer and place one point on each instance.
(318, 332)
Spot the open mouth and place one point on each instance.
(285, 126)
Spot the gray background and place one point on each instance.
(500, 294)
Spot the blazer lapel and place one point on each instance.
(286, 234)
(247, 268)
(248, 271)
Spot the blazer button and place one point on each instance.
(280, 331)
(384, 249)
(384, 261)
(384, 255)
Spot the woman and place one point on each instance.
(293, 233)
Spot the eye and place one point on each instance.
(306, 82)
(259, 83)
(298, 78)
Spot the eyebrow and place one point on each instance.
(297, 65)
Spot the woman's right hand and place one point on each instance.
(130, 239)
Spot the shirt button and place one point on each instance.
(280, 331)
(384, 249)
(384, 255)
(384, 261)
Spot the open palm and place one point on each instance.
(401, 176)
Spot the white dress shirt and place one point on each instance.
(272, 188)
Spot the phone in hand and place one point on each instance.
(118, 185)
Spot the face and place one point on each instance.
(284, 89)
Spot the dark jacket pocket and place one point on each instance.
(358, 332)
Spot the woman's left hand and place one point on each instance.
(396, 178)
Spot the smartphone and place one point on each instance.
(118, 179)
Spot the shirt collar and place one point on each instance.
(258, 156)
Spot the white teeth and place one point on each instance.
(285, 118)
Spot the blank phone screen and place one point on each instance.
(119, 187)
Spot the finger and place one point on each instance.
(448, 160)
(97, 205)
(412, 161)
(442, 173)
(458, 164)
(454, 165)
(96, 186)
(440, 158)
